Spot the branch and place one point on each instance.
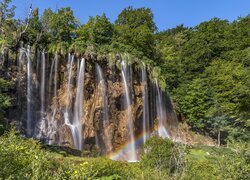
(28, 21)
(18, 39)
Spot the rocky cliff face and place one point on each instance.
(104, 120)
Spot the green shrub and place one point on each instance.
(201, 170)
(157, 153)
(237, 164)
(24, 159)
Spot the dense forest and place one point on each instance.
(205, 69)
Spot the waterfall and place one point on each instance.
(19, 77)
(127, 103)
(51, 77)
(55, 76)
(29, 130)
(53, 125)
(42, 88)
(77, 123)
(145, 120)
(102, 93)
(68, 97)
(42, 128)
(61, 105)
(71, 60)
(161, 113)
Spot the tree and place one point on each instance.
(60, 27)
(135, 28)
(7, 24)
(98, 31)
(135, 18)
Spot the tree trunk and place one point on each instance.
(218, 138)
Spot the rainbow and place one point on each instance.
(120, 153)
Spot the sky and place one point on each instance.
(167, 13)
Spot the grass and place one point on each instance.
(22, 158)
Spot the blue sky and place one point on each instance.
(167, 13)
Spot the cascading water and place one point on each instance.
(29, 94)
(145, 120)
(42, 88)
(29, 129)
(51, 77)
(102, 93)
(132, 157)
(62, 111)
(41, 134)
(161, 113)
(53, 125)
(69, 83)
(55, 76)
(77, 123)
(68, 92)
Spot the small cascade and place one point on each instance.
(78, 65)
(145, 118)
(51, 77)
(102, 93)
(69, 96)
(26, 53)
(68, 92)
(75, 124)
(42, 128)
(42, 88)
(161, 113)
(29, 94)
(67, 115)
(78, 109)
(21, 54)
(132, 157)
(55, 76)
(52, 127)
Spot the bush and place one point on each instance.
(24, 159)
(102, 168)
(157, 153)
(236, 166)
(201, 170)
(206, 162)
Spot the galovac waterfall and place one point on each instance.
(86, 102)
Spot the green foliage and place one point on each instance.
(6, 12)
(207, 72)
(205, 162)
(97, 32)
(193, 102)
(157, 153)
(24, 159)
(201, 170)
(135, 28)
(237, 166)
(7, 24)
(60, 27)
(135, 18)
(5, 102)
